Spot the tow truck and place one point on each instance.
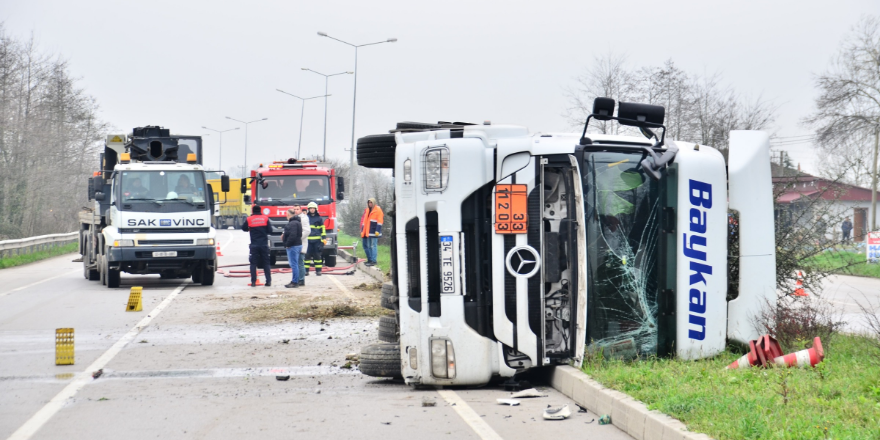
(284, 184)
(514, 251)
(150, 210)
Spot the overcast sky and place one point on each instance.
(187, 64)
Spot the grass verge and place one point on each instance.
(847, 263)
(383, 253)
(18, 260)
(839, 399)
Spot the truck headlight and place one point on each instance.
(436, 168)
(123, 243)
(442, 359)
(204, 242)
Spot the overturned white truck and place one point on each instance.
(512, 251)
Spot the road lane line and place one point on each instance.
(469, 415)
(341, 287)
(45, 413)
(38, 282)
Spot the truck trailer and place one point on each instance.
(514, 250)
(150, 210)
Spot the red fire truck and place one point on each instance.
(285, 184)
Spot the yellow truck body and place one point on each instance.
(233, 210)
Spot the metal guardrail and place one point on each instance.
(28, 245)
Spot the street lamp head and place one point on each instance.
(228, 117)
(206, 128)
(392, 40)
(264, 119)
(322, 34)
(350, 73)
(305, 68)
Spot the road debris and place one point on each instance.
(285, 341)
(282, 378)
(531, 392)
(428, 402)
(97, 374)
(557, 413)
(605, 420)
(510, 402)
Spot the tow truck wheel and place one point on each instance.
(207, 275)
(330, 261)
(89, 274)
(389, 331)
(102, 274)
(376, 151)
(380, 360)
(197, 274)
(113, 278)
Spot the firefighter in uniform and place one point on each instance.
(258, 226)
(315, 254)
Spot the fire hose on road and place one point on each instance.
(344, 270)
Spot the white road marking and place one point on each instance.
(45, 413)
(469, 415)
(38, 282)
(341, 287)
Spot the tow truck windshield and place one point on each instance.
(162, 191)
(283, 190)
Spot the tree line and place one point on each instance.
(50, 134)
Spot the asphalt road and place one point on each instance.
(185, 367)
(845, 293)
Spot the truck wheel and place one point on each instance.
(389, 330)
(113, 278)
(380, 360)
(89, 274)
(273, 259)
(330, 261)
(102, 270)
(390, 302)
(208, 275)
(376, 151)
(197, 274)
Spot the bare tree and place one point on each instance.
(847, 157)
(848, 105)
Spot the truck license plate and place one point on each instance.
(165, 254)
(447, 264)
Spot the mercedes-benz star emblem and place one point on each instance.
(523, 261)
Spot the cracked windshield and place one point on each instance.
(622, 207)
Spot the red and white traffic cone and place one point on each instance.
(799, 285)
(219, 254)
(809, 357)
(768, 348)
(748, 360)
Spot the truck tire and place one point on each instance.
(89, 274)
(114, 276)
(197, 274)
(376, 151)
(330, 261)
(102, 270)
(208, 274)
(380, 360)
(273, 259)
(390, 302)
(389, 330)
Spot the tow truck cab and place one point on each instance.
(285, 184)
(514, 251)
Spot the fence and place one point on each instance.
(28, 245)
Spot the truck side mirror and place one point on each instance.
(340, 184)
(244, 185)
(247, 199)
(224, 183)
(98, 183)
(340, 196)
(99, 196)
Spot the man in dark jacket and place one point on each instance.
(258, 226)
(292, 239)
(315, 255)
(846, 227)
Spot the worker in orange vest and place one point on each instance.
(371, 230)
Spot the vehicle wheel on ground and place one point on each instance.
(89, 274)
(390, 302)
(197, 274)
(207, 278)
(273, 260)
(376, 151)
(114, 276)
(389, 330)
(330, 261)
(102, 270)
(380, 360)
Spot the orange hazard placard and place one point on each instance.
(511, 209)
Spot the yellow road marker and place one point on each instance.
(135, 303)
(64, 346)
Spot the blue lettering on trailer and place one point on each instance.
(695, 248)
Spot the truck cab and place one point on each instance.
(285, 184)
(152, 210)
(514, 250)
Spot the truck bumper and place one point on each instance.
(140, 259)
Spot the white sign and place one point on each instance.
(873, 247)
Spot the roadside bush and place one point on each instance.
(795, 321)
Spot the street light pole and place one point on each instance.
(326, 81)
(220, 152)
(246, 136)
(354, 101)
(302, 113)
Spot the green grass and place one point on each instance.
(848, 263)
(18, 260)
(383, 252)
(842, 394)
